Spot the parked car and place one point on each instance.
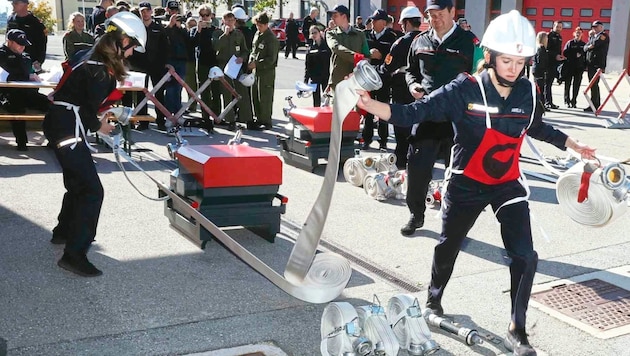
(278, 27)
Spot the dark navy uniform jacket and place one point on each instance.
(395, 67)
(383, 44)
(433, 64)
(596, 56)
(17, 65)
(35, 32)
(460, 103)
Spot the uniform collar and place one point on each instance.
(435, 37)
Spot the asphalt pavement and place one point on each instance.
(162, 295)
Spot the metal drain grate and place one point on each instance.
(593, 302)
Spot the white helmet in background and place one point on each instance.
(129, 25)
(510, 34)
(247, 79)
(240, 14)
(215, 73)
(409, 12)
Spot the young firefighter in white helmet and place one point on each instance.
(87, 86)
(491, 112)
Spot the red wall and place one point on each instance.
(576, 19)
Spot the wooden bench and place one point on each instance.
(39, 116)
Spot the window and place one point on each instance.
(305, 8)
(567, 24)
(566, 12)
(533, 22)
(249, 7)
(547, 24)
(549, 12)
(586, 12)
(531, 11)
(585, 25)
(604, 12)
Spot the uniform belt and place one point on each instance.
(79, 130)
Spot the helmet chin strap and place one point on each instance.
(502, 81)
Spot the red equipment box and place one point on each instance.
(219, 166)
(319, 120)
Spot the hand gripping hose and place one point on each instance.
(405, 317)
(340, 331)
(304, 265)
(601, 204)
(375, 327)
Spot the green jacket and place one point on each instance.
(73, 42)
(344, 46)
(232, 44)
(265, 50)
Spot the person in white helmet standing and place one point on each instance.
(87, 86)
(491, 112)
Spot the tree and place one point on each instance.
(43, 11)
(268, 5)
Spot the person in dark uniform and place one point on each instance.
(540, 63)
(379, 40)
(152, 62)
(317, 68)
(179, 40)
(24, 20)
(204, 37)
(19, 67)
(84, 88)
(554, 50)
(395, 67)
(575, 64)
(292, 32)
(596, 53)
(491, 113)
(97, 16)
(263, 61)
(436, 57)
(309, 21)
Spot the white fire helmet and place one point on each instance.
(240, 14)
(131, 26)
(409, 12)
(247, 79)
(510, 34)
(215, 73)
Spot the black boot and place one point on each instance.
(516, 341)
(411, 225)
(436, 308)
(78, 263)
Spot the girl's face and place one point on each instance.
(509, 67)
(129, 51)
(79, 23)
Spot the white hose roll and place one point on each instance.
(386, 163)
(599, 209)
(370, 185)
(354, 171)
(375, 327)
(402, 174)
(334, 329)
(411, 330)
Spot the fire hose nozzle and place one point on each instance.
(122, 114)
(469, 336)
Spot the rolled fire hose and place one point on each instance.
(355, 169)
(304, 265)
(375, 327)
(602, 205)
(411, 330)
(340, 331)
(386, 163)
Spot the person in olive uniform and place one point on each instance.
(19, 67)
(263, 60)
(596, 52)
(232, 42)
(24, 20)
(76, 39)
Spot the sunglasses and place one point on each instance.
(204, 15)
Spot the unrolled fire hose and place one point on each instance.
(304, 261)
(312, 277)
